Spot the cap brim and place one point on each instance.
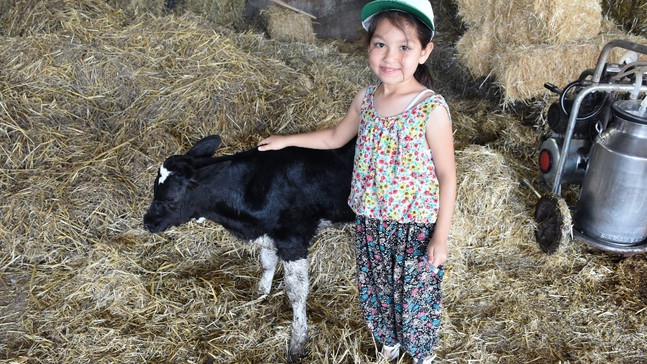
(375, 7)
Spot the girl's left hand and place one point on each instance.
(437, 251)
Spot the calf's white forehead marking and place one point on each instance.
(164, 173)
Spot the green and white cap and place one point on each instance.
(421, 9)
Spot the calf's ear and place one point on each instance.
(180, 165)
(205, 147)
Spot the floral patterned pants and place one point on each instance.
(400, 293)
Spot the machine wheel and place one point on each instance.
(553, 222)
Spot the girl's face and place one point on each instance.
(394, 53)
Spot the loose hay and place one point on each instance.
(93, 98)
(222, 12)
(630, 14)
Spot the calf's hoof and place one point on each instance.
(296, 357)
(298, 350)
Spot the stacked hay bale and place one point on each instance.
(287, 25)
(525, 43)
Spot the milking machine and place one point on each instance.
(598, 142)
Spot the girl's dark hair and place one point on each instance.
(399, 19)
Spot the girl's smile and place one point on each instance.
(390, 70)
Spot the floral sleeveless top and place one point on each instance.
(394, 177)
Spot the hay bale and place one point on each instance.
(496, 25)
(519, 40)
(479, 39)
(475, 13)
(287, 25)
(534, 21)
(475, 48)
(545, 21)
(522, 70)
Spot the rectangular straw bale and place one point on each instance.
(546, 21)
(475, 12)
(476, 49)
(522, 70)
(288, 25)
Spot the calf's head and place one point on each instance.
(171, 204)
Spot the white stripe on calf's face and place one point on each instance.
(164, 173)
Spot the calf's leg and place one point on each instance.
(296, 285)
(269, 259)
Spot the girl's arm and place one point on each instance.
(331, 138)
(441, 142)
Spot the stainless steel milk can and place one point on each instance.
(612, 205)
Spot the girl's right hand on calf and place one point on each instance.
(273, 142)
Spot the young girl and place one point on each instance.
(404, 179)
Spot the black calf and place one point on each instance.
(276, 199)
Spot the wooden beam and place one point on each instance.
(282, 3)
